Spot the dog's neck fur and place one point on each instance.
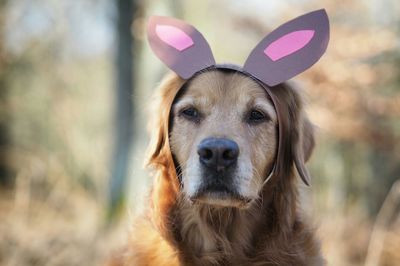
(208, 235)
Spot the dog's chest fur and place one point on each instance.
(229, 236)
(209, 235)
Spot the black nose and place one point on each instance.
(218, 153)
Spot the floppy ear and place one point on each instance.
(179, 45)
(166, 185)
(158, 151)
(296, 133)
(304, 149)
(290, 49)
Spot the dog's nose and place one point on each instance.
(218, 153)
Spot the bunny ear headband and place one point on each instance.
(284, 53)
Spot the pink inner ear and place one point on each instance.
(174, 37)
(288, 44)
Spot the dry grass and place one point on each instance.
(61, 230)
(43, 234)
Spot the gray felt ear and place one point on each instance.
(290, 49)
(179, 45)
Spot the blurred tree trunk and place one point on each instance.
(124, 109)
(5, 141)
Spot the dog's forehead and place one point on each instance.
(217, 85)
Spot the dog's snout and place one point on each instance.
(218, 153)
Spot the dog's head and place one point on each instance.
(220, 132)
(227, 130)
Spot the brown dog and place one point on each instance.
(213, 145)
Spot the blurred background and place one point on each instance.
(76, 78)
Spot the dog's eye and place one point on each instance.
(190, 113)
(256, 116)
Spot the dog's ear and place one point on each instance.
(290, 49)
(179, 45)
(304, 148)
(158, 150)
(166, 184)
(296, 133)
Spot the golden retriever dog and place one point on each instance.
(227, 143)
(211, 155)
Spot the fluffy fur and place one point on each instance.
(268, 231)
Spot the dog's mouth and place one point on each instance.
(219, 194)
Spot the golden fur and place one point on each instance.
(267, 231)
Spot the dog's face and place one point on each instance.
(223, 136)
